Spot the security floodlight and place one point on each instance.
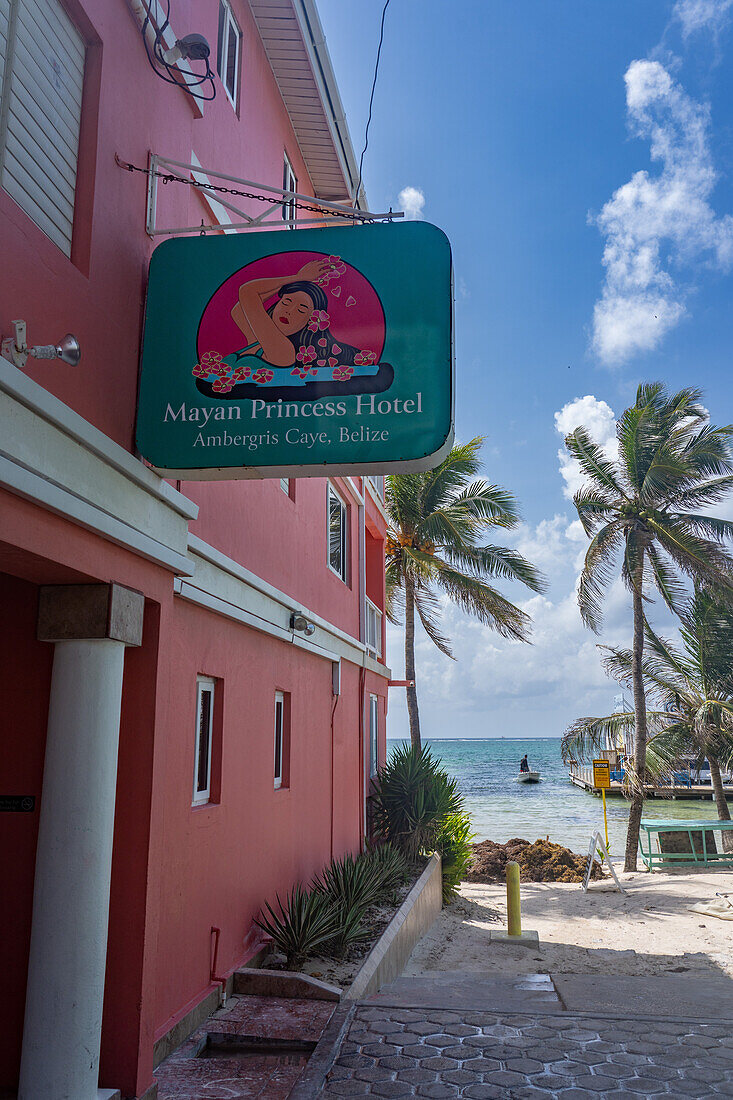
(16, 350)
(299, 622)
(192, 47)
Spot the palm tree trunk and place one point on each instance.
(412, 711)
(720, 802)
(640, 727)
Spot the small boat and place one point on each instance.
(528, 777)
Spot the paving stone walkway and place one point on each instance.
(402, 1052)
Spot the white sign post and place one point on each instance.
(598, 848)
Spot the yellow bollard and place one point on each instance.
(513, 903)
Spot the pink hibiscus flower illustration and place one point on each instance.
(304, 370)
(365, 357)
(240, 374)
(263, 375)
(306, 354)
(200, 371)
(319, 320)
(342, 374)
(211, 358)
(221, 386)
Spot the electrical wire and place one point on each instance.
(371, 99)
(158, 55)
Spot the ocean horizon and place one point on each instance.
(486, 768)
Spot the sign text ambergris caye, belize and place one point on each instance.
(322, 351)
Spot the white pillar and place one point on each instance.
(68, 949)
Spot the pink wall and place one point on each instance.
(99, 293)
(176, 869)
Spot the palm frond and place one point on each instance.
(594, 506)
(428, 609)
(586, 737)
(597, 573)
(593, 461)
(696, 556)
(440, 485)
(479, 599)
(668, 584)
(497, 561)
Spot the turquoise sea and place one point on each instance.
(501, 808)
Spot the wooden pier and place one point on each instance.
(583, 777)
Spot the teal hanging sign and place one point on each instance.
(294, 354)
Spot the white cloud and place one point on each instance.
(412, 201)
(651, 223)
(698, 15)
(598, 419)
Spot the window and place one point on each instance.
(42, 59)
(282, 738)
(373, 628)
(373, 734)
(337, 517)
(204, 738)
(285, 485)
(290, 183)
(227, 61)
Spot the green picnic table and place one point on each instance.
(684, 842)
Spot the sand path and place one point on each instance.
(648, 930)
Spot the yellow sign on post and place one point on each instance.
(601, 774)
(602, 781)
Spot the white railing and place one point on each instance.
(373, 628)
(378, 483)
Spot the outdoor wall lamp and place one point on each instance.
(16, 350)
(299, 622)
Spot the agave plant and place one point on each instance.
(350, 881)
(454, 842)
(391, 864)
(413, 797)
(305, 921)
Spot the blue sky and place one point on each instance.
(545, 139)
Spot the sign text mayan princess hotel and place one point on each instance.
(261, 360)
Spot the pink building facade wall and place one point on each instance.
(78, 507)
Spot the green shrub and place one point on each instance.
(305, 922)
(392, 865)
(413, 797)
(350, 882)
(453, 841)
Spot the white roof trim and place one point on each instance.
(313, 104)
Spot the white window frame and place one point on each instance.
(290, 183)
(204, 686)
(279, 728)
(285, 485)
(343, 572)
(373, 628)
(228, 25)
(373, 735)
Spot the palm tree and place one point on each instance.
(644, 506)
(435, 520)
(692, 688)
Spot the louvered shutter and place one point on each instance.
(40, 112)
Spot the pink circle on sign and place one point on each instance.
(362, 325)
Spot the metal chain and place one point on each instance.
(170, 177)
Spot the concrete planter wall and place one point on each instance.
(387, 958)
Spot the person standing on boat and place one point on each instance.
(523, 765)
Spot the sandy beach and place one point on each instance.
(647, 930)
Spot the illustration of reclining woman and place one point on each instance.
(290, 348)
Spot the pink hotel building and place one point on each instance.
(174, 752)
